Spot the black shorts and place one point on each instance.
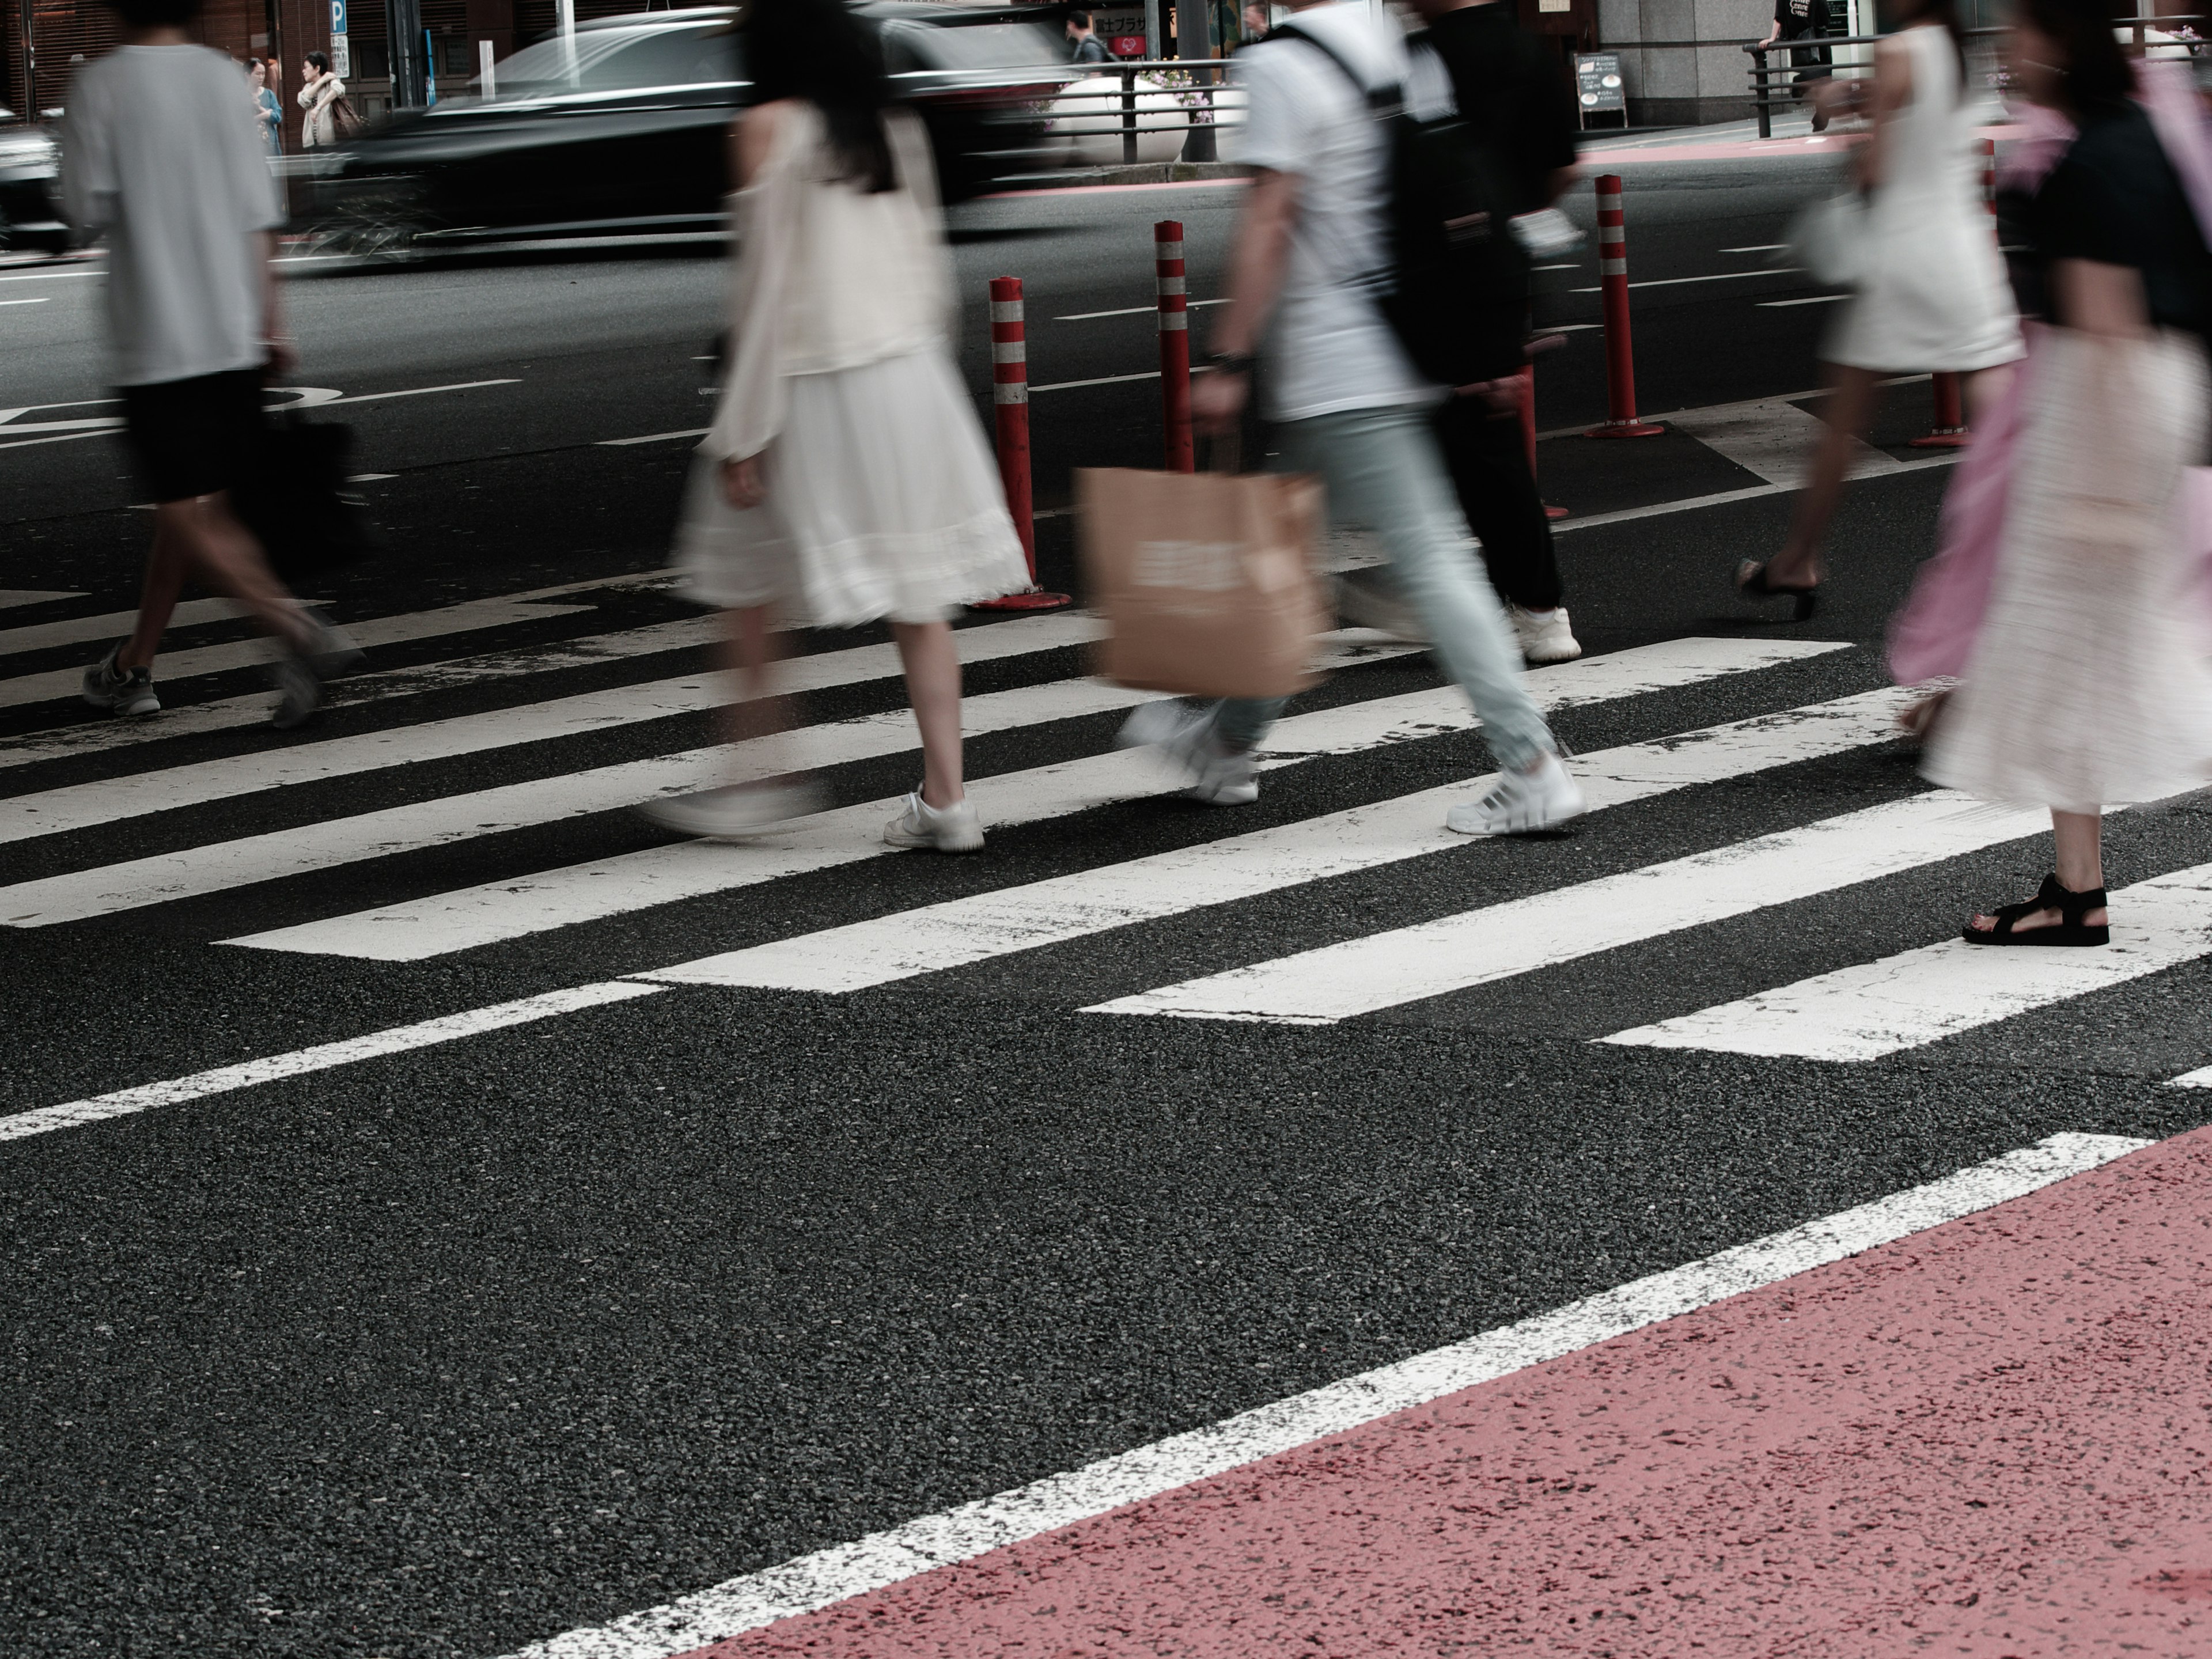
(194, 437)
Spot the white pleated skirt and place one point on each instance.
(883, 501)
(2089, 684)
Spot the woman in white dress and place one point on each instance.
(846, 480)
(2087, 682)
(1934, 296)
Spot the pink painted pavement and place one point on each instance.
(1993, 1438)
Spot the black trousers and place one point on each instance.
(1496, 491)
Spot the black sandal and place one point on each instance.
(2069, 929)
(1750, 581)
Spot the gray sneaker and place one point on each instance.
(299, 694)
(120, 691)
(954, 828)
(1220, 775)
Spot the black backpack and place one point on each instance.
(1458, 292)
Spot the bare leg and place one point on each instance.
(157, 599)
(749, 652)
(1984, 387)
(2079, 865)
(208, 538)
(1848, 410)
(932, 685)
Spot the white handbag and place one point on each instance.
(1828, 238)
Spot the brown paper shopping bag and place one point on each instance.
(1207, 580)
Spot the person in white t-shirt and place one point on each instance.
(1310, 263)
(158, 154)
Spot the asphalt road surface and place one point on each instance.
(443, 1211)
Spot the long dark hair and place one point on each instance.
(818, 50)
(2097, 76)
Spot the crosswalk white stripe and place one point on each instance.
(223, 1079)
(808, 1583)
(1520, 936)
(974, 929)
(13, 597)
(2199, 1078)
(1918, 997)
(77, 807)
(498, 911)
(164, 877)
(76, 630)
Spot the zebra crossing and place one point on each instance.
(1736, 781)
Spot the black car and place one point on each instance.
(625, 128)
(30, 171)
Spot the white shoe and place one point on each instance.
(1519, 803)
(1544, 635)
(1219, 777)
(735, 811)
(954, 828)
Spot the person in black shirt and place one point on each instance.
(1515, 89)
(1804, 19)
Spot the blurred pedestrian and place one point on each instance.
(269, 119)
(154, 154)
(1933, 294)
(1089, 49)
(1348, 404)
(1257, 19)
(320, 95)
(846, 480)
(1804, 19)
(2087, 682)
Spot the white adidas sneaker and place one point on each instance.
(954, 828)
(1184, 736)
(1521, 803)
(1544, 636)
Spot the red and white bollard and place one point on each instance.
(1010, 401)
(1612, 283)
(1175, 345)
(1950, 431)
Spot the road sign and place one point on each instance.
(1598, 88)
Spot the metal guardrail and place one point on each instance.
(1769, 93)
(1148, 105)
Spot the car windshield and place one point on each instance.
(909, 47)
(620, 60)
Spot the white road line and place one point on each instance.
(1776, 441)
(40, 300)
(221, 866)
(2200, 1078)
(11, 597)
(1142, 310)
(976, 928)
(77, 807)
(811, 1582)
(502, 910)
(1724, 277)
(1783, 305)
(1498, 941)
(1750, 493)
(655, 438)
(415, 391)
(76, 630)
(50, 276)
(61, 683)
(1104, 379)
(223, 1079)
(1922, 996)
(1757, 247)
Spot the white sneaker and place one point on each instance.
(954, 828)
(1544, 634)
(1219, 777)
(1519, 803)
(735, 811)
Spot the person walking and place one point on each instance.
(1348, 405)
(2088, 681)
(1804, 19)
(1089, 49)
(845, 480)
(1934, 295)
(320, 92)
(269, 119)
(155, 155)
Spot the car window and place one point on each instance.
(615, 60)
(909, 47)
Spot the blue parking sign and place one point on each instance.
(337, 17)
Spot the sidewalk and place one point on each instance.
(1988, 1438)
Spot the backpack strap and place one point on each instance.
(1384, 102)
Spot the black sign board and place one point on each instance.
(1598, 89)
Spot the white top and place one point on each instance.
(828, 275)
(1327, 347)
(319, 125)
(155, 153)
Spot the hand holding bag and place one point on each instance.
(1207, 580)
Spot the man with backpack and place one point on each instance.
(1311, 271)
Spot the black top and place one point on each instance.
(2116, 199)
(1507, 82)
(1799, 18)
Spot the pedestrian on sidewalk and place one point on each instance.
(268, 119)
(157, 154)
(1804, 19)
(1933, 294)
(1348, 404)
(846, 480)
(2087, 682)
(321, 96)
(1089, 48)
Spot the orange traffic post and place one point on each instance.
(1174, 300)
(1010, 407)
(1613, 285)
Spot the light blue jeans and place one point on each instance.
(1382, 469)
